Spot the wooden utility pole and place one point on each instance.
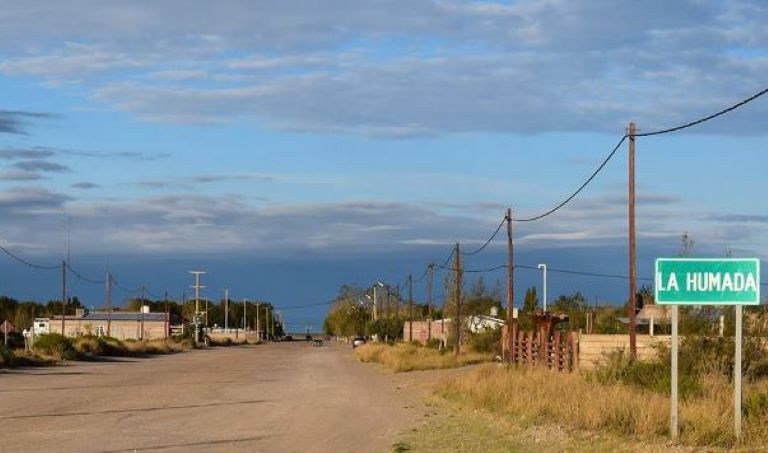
(141, 310)
(632, 249)
(430, 275)
(63, 296)
(457, 321)
(167, 315)
(410, 307)
(109, 304)
(510, 284)
(397, 303)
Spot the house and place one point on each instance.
(439, 329)
(118, 324)
(481, 323)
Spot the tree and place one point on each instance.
(531, 301)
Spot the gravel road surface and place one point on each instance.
(277, 397)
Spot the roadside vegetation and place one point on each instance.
(630, 400)
(409, 357)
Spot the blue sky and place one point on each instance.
(369, 136)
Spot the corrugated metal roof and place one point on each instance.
(116, 316)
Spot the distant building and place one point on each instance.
(118, 324)
(441, 328)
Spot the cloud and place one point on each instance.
(740, 218)
(11, 154)
(30, 200)
(220, 178)
(73, 59)
(41, 165)
(85, 185)
(15, 122)
(44, 152)
(19, 176)
(404, 68)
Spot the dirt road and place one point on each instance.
(278, 397)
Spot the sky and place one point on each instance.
(292, 147)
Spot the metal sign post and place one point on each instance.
(673, 431)
(737, 370)
(696, 281)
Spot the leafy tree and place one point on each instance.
(531, 301)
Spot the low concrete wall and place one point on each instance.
(234, 335)
(592, 348)
(421, 330)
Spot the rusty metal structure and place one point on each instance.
(544, 345)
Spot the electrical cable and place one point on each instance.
(119, 286)
(578, 191)
(706, 118)
(83, 277)
(490, 239)
(28, 263)
(317, 304)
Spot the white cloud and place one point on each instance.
(402, 68)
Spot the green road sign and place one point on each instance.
(702, 281)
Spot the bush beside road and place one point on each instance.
(409, 357)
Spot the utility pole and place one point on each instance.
(430, 274)
(141, 310)
(375, 302)
(632, 249)
(226, 310)
(457, 321)
(410, 307)
(167, 315)
(258, 324)
(63, 296)
(108, 303)
(510, 285)
(245, 318)
(386, 335)
(397, 303)
(197, 287)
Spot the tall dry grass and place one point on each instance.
(408, 357)
(533, 396)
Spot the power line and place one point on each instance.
(578, 191)
(473, 271)
(127, 290)
(448, 260)
(706, 118)
(317, 304)
(490, 239)
(423, 274)
(83, 277)
(26, 262)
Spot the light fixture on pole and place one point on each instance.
(543, 268)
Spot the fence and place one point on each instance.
(559, 351)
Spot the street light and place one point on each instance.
(375, 300)
(543, 267)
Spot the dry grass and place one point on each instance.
(452, 427)
(535, 396)
(408, 357)
(228, 341)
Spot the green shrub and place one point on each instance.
(487, 341)
(652, 374)
(88, 345)
(56, 346)
(6, 356)
(220, 341)
(756, 404)
(434, 343)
